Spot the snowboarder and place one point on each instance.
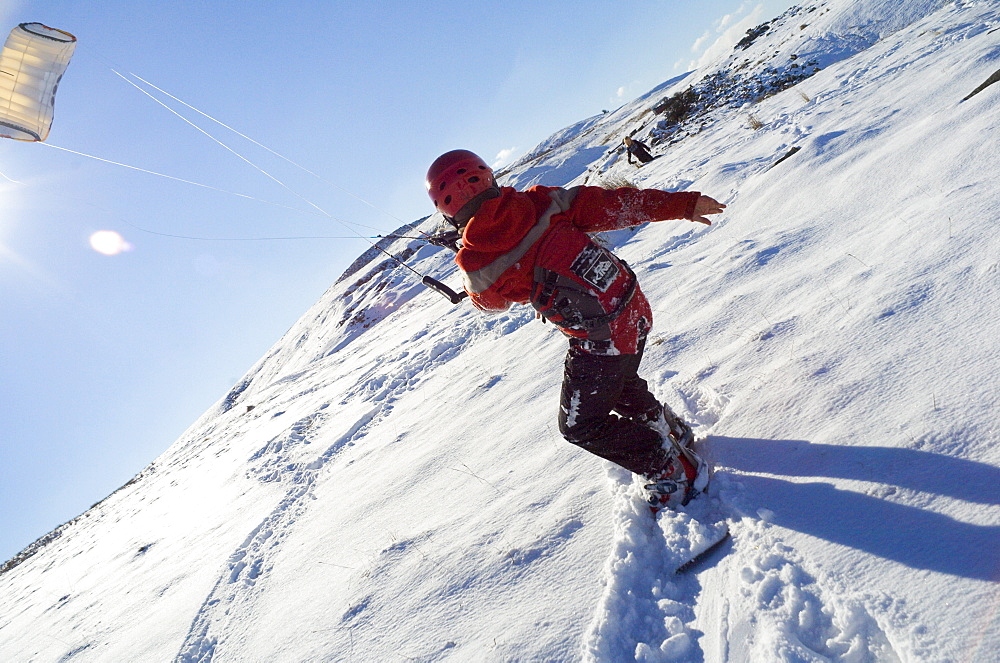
(533, 247)
(638, 149)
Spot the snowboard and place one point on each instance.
(693, 533)
(696, 531)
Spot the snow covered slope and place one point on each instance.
(388, 482)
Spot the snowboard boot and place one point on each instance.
(679, 429)
(683, 478)
(663, 418)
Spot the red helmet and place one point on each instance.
(455, 178)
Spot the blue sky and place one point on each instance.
(105, 360)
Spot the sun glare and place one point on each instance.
(109, 243)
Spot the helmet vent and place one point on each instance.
(473, 179)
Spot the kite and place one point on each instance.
(31, 65)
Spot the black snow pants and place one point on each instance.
(593, 386)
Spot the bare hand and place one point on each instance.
(706, 205)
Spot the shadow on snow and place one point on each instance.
(910, 535)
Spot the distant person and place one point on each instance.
(533, 247)
(638, 149)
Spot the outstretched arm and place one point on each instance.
(595, 209)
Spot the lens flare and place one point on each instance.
(109, 243)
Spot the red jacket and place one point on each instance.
(510, 236)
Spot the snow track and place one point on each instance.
(648, 612)
(638, 609)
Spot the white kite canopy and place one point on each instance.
(31, 64)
